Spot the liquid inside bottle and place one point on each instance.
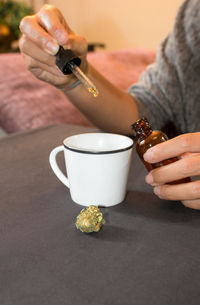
(147, 138)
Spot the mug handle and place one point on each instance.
(55, 167)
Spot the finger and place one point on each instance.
(31, 49)
(30, 27)
(186, 155)
(192, 204)
(38, 68)
(183, 168)
(189, 142)
(48, 77)
(184, 191)
(78, 44)
(52, 20)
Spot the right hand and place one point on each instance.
(42, 34)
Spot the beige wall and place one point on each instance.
(120, 24)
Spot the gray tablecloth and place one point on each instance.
(147, 253)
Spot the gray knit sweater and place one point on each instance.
(169, 90)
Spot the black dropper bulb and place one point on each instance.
(65, 60)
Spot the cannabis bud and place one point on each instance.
(90, 220)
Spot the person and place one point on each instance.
(168, 91)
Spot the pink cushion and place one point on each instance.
(27, 103)
(122, 67)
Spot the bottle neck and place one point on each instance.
(142, 128)
(143, 134)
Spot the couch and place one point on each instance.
(27, 103)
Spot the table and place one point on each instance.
(148, 252)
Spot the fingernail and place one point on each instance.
(156, 190)
(149, 179)
(148, 155)
(52, 48)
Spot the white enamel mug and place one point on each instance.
(97, 167)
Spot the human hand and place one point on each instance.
(42, 34)
(187, 146)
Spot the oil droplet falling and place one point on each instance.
(94, 91)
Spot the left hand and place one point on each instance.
(187, 147)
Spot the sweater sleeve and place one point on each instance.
(162, 93)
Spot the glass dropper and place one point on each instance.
(87, 83)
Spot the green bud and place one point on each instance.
(90, 220)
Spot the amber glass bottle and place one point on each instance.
(146, 138)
